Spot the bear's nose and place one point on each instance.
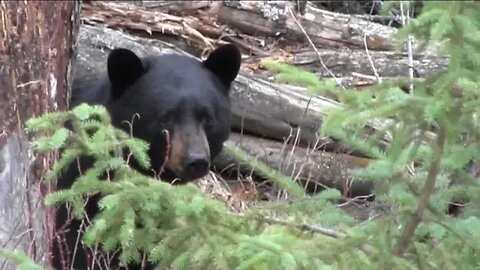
(197, 165)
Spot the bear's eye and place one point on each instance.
(207, 120)
(165, 119)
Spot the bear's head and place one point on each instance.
(179, 105)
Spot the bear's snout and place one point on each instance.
(196, 165)
(189, 155)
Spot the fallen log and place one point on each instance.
(270, 110)
(344, 62)
(257, 19)
(313, 169)
(324, 31)
(246, 25)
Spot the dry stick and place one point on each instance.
(305, 227)
(167, 152)
(406, 20)
(375, 72)
(302, 226)
(366, 248)
(315, 48)
(427, 191)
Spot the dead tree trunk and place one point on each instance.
(36, 60)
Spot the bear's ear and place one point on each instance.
(224, 62)
(124, 68)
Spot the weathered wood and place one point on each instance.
(313, 169)
(35, 68)
(179, 8)
(127, 16)
(324, 30)
(250, 18)
(387, 63)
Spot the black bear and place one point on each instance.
(175, 93)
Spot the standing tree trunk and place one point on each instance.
(36, 60)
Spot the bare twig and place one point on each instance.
(405, 21)
(339, 83)
(375, 72)
(167, 151)
(301, 226)
(310, 228)
(306, 227)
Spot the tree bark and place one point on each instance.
(36, 61)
